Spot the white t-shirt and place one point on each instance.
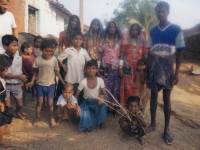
(15, 68)
(62, 101)
(89, 93)
(75, 64)
(7, 23)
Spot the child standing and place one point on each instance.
(27, 64)
(76, 57)
(14, 78)
(6, 113)
(67, 104)
(109, 47)
(133, 122)
(46, 67)
(141, 84)
(93, 111)
(37, 45)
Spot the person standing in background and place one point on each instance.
(7, 23)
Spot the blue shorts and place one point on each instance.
(47, 91)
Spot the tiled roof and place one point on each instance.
(60, 6)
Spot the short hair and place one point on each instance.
(135, 99)
(47, 43)
(25, 45)
(7, 39)
(142, 60)
(37, 37)
(91, 63)
(5, 62)
(139, 29)
(77, 33)
(68, 86)
(162, 4)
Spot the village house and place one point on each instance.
(40, 17)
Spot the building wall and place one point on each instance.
(17, 7)
(50, 20)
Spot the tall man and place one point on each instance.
(165, 40)
(7, 23)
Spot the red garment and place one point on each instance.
(63, 39)
(27, 64)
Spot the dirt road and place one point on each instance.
(185, 126)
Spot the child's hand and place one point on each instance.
(78, 111)
(70, 106)
(30, 84)
(100, 101)
(22, 84)
(23, 78)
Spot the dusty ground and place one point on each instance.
(185, 126)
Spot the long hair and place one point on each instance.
(118, 31)
(70, 30)
(101, 29)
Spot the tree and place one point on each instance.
(142, 11)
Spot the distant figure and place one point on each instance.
(37, 46)
(165, 40)
(7, 23)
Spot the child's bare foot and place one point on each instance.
(124, 138)
(35, 121)
(19, 115)
(53, 123)
(102, 126)
(141, 140)
(151, 128)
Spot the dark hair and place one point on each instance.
(162, 4)
(5, 62)
(70, 30)
(25, 45)
(55, 42)
(77, 33)
(139, 29)
(7, 39)
(37, 37)
(47, 43)
(133, 99)
(91, 63)
(142, 60)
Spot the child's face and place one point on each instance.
(77, 41)
(133, 107)
(67, 93)
(37, 43)
(141, 66)
(134, 31)
(95, 26)
(112, 28)
(91, 71)
(162, 13)
(47, 52)
(28, 51)
(4, 72)
(12, 47)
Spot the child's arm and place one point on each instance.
(62, 65)
(24, 71)
(140, 119)
(19, 76)
(121, 120)
(35, 74)
(59, 76)
(77, 94)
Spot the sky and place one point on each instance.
(185, 13)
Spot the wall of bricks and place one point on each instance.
(17, 7)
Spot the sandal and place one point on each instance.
(168, 139)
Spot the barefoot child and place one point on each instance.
(93, 111)
(67, 104)
(6, 113)
(76, 58)
(140, 84)
(133, 122)
(14, 77)
(46, 67)
(27, 66)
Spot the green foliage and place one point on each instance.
(143, 11)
